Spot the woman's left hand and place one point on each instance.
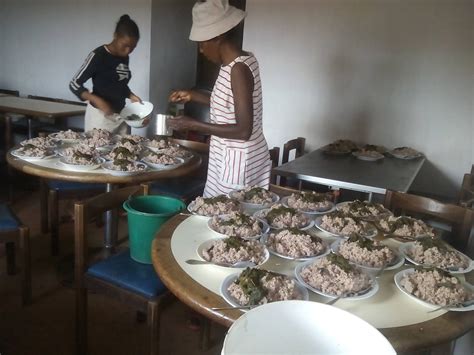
(181, 123)
(134, 98)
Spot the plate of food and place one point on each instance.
(294, 244)
(340, 147)
(368, 211)
(253, 287)
(157, 143)
(233, 252)
(368, 155)
(238, 224)
(434, 288)
(334, 276)
(340, 224)
(98, 137)
(124, 167)
(368, 254)
(32, 153)
(161, 161)
(79, 163)
(177, 151)
(39, 142)
(213, 206)
(375, 148)
(67, 137)
(309, 202)
(121, 152)
(279, 217)
(404, 228)
(406, 153)
(255, 197)
(428, 251)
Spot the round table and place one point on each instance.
(441, 329)
(48, 169)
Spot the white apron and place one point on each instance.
(95, 118)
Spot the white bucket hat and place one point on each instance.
(212, 18)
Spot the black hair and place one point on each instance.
(127, 27)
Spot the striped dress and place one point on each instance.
(235, 164)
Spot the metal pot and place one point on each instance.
(162, 128)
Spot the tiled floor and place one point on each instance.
(47, 326)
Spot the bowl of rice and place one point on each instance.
(310, 202)
(213, 206)
(279, 217)
(340, 224)
(228, 252)
(254, 198)
(238, 224)
(294, 244)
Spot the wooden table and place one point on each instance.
(35, 109)
(46, 169)
(423, 335)
(348, 172)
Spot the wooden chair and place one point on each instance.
(466, 195)
(117, 276)
(275, 158)
(297, 145)
(186, 188)
(13, 232)
(459, 218)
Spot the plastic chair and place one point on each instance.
(459, 218)
(11, 232)
(117, 276)
(186, 188)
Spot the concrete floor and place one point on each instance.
(47, 326)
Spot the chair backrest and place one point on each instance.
(275, 158)
(85, 211)
(10, 92)
(466, 195)
(52, 99)
(296, 144)
(461, 219)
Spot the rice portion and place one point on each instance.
(233, 249)
(254, 194)
(122, 151)
(406, 227)
(132, 139)
(343, 224)
(39, 142)
(237, 224)
(255, 286)
(333, 275)
(160, 158)
(127, 165)
(32, 151)
(158, 143)
(295, 243)
(81, 155)
(436, 287)
(176, 151)
(98, 137)
(427, 251)
(214, 206)
(364, 209)
(279, 216)
(69, 134)
(310, 201)
(366, 252)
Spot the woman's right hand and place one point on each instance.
(181, 96)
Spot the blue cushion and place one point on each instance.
(179, 187)
(8, 220)
(70, 185)
(121, 270)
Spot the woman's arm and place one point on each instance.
(184, 96)
(242, 88)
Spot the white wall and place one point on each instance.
(44, 42)
(384, 72)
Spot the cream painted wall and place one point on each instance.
(386, 72)
(44, 42)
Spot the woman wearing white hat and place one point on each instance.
(238, 155)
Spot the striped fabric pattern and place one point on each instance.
(235, 164)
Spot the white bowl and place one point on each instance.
(141, 109)
(303, 327)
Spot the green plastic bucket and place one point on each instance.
(146, 214)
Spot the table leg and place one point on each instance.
(370, 196)
(111, 225)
